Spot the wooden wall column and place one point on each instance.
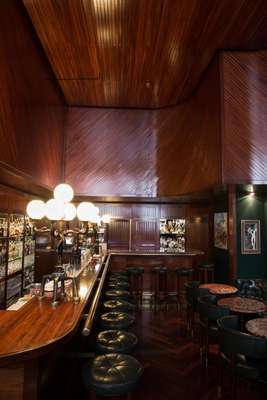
(232, 242)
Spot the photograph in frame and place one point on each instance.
(220, 230)
(250, 236)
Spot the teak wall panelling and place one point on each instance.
(139, 229)
(119, 234)
(244, 116)
(145, 153)
(31, 107)
(12, 200)
(145, 234)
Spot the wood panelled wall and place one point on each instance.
(140, 224)
(244, 116)
(146, 153)
(12, 200)
(31, 107)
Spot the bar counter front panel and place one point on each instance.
(123, 259)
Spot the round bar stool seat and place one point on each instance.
(113, 341)
(118, 305)
(206, 273)
(184, 271)
(116, 320)
(112, 374)
(118, 273)
(118, 278)
(117, 294)
(118, 285)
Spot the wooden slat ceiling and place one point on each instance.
(140, 53)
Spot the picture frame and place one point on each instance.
(221, 230)
(250, 236)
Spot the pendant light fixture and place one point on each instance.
(60, 208)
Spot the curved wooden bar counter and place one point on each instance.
(36, 329)
(37, 325)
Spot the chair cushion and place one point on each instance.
(248, 368)
(116, 320)
(213, 329)
(118, 305)
(118, 285)
(117, 294)
(112, 374)
(113, 341)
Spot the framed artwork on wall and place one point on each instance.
(250, 236)
(220, 230)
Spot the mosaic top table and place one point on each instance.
(257, 326)
(242, 305)
(219, 288)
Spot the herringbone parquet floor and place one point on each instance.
(172, 367)
(173, 370)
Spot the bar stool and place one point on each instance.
(160, 286)
(112, 375)
(206, 273)
(118, 305)
(118, 278)
(122, 272)
(116, 320)
(118, 285)
(117, 294)
(136, 283)
(183, 275)
(115, 341)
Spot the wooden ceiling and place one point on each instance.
(140, 53)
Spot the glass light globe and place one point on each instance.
(69, 212)
(85, 210)
(36, 209)
(63, 192)
(95, 219)
(54, 209)
(106, 218)
(96, 210)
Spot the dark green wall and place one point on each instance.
(251, 207)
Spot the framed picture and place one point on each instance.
(250, 236)
(220, 230)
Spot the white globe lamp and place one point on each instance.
(36, 209)
(54, 209)
(85, 210)
(69, 212)
(106, 218)
(63, 193)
